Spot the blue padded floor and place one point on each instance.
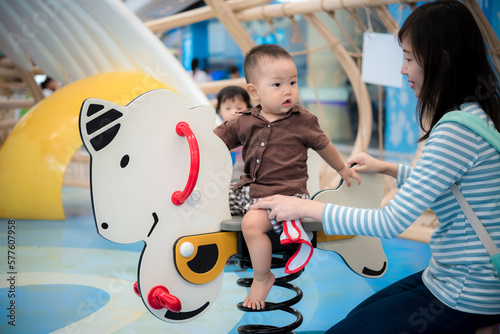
(68, 279)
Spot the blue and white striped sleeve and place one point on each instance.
(449, 152)
(404, 172)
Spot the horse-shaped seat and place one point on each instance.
(142, 155)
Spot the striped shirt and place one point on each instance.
(460, 272)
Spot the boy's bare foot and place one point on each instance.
(259, 289)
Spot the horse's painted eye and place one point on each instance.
(124, 161)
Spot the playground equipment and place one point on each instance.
(159, 174)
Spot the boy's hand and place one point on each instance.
(348, 173)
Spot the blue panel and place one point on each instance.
(491, 10)
(402, 130)
(200, 41)
(195, 45)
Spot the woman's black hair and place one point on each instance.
(447, 43)
(230, 93)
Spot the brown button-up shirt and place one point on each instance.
(274, 154)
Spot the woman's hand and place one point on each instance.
(365, 163)
(290, 208)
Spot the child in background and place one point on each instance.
(276, 135)
(231, 101)
(49, 86)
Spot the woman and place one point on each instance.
(447, 67)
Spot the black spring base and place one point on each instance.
(270, 306)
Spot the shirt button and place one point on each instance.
(262, 144)
(269, 125)
(258, 161)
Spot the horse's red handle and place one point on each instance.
(159, 297)
(179, 197)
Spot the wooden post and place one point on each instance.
(28, 78)
(248, 10)
(309, 7)
(198, 15)
(232, 24)
(213, 87)
(387, 19)
(360, 91)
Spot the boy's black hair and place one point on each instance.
(259, 52)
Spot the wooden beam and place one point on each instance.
(233, 26)
(6, 62)
(11, 104)
(309, 7)
(248, 10)
(198, 15)
(13, 84)
(29, 79)
(7, 124)
(13, 73)
(213, 87)
(387, 19)
(9, 73)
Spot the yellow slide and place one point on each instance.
(35, 155)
